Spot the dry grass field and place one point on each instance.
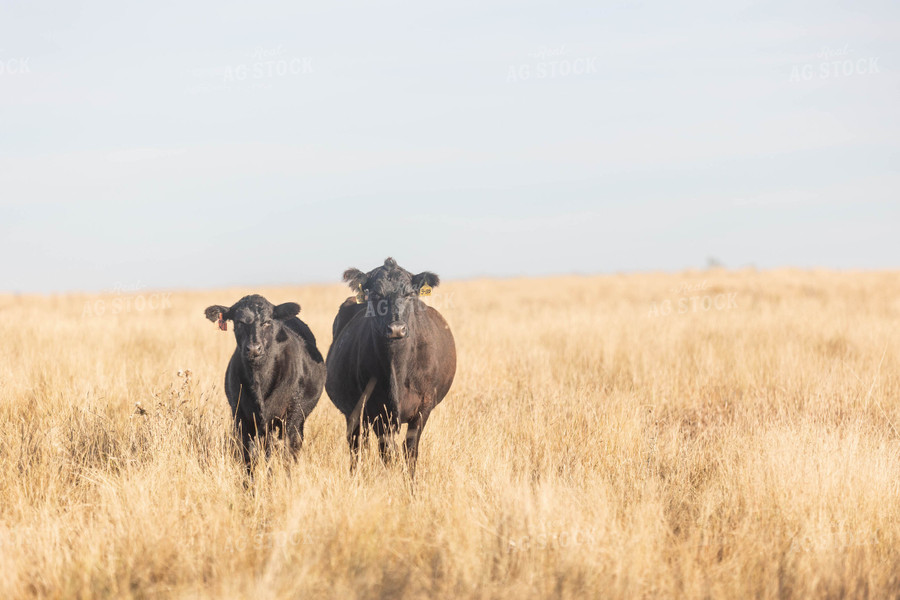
(597, 442)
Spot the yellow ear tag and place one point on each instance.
(425, 290)
(360, 295)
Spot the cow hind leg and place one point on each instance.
(357, 424)
(357, 434)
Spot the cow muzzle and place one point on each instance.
(397, 331)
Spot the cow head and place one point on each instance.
(391, 293)
(258, 324)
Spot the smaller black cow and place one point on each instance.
(393, 357)
(276, 374)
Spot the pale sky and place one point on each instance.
(172, 144)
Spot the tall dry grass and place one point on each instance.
(590, 446)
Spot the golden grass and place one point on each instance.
(587, 448)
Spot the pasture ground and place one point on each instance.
(596, 442)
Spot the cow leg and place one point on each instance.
(246, 439)
(295, 438)
(357, 435)
(242, 433)
(357, 424)
(294, 433)
(411, 443)
(385, 427)
(273, 432)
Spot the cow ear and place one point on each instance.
(356, 279)
(286, 310)
(425, 278)
(212, 312)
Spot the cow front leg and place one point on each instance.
(271, 434)
(245, 439)
(411, 442)
(385, 428)
(294, 433)
(295, 439)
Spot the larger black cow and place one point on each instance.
(276, 374)
(393, 357)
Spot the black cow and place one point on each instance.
(393, 357)
(276, 374)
